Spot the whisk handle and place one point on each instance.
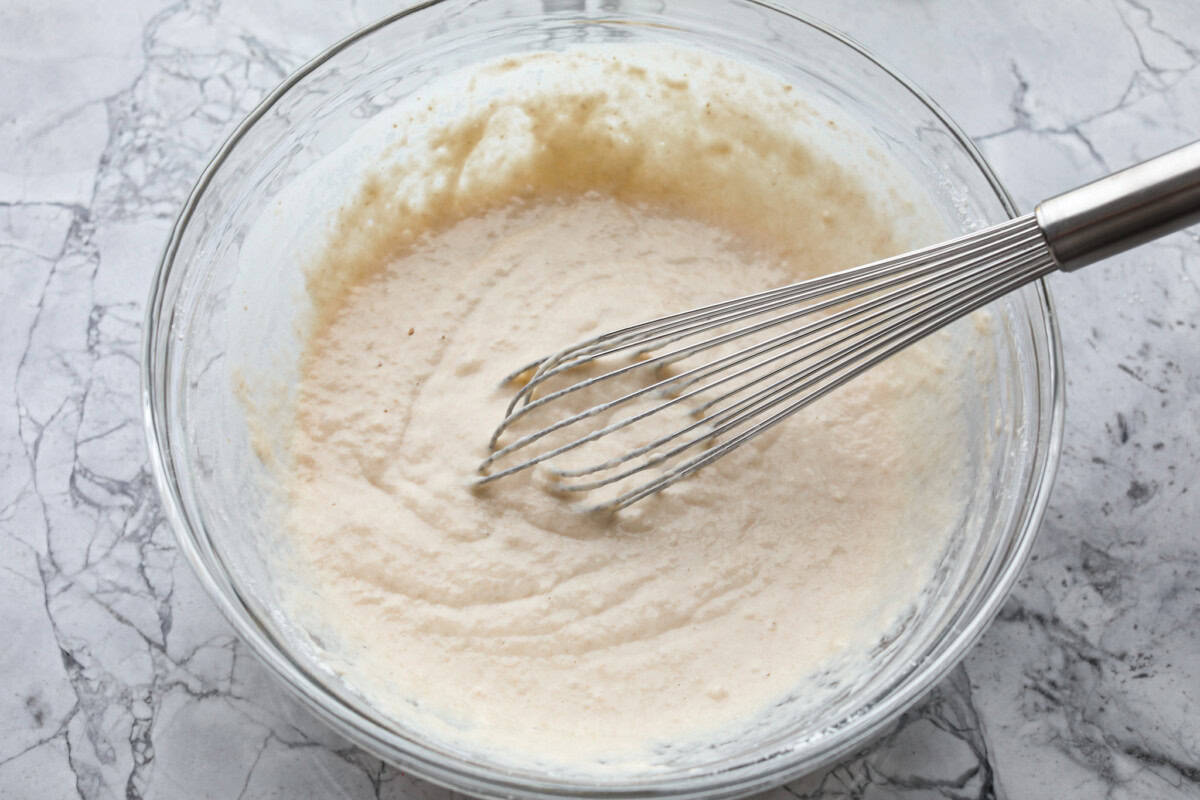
(1125, 209)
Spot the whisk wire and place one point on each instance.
(862, 316)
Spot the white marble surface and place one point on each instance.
(120, 680)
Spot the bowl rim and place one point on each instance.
(431, 764)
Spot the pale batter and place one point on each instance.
(567, 196)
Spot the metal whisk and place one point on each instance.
(732, 370)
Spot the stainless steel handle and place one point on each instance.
(1123, 210)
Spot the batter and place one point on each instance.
(545, 200)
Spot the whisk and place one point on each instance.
(734, 369)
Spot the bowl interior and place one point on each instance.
(222, 336)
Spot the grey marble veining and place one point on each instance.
(119, 678)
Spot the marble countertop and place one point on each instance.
(121, 680)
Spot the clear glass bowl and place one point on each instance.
(212, 320)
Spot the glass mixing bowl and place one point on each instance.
(217, 318)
